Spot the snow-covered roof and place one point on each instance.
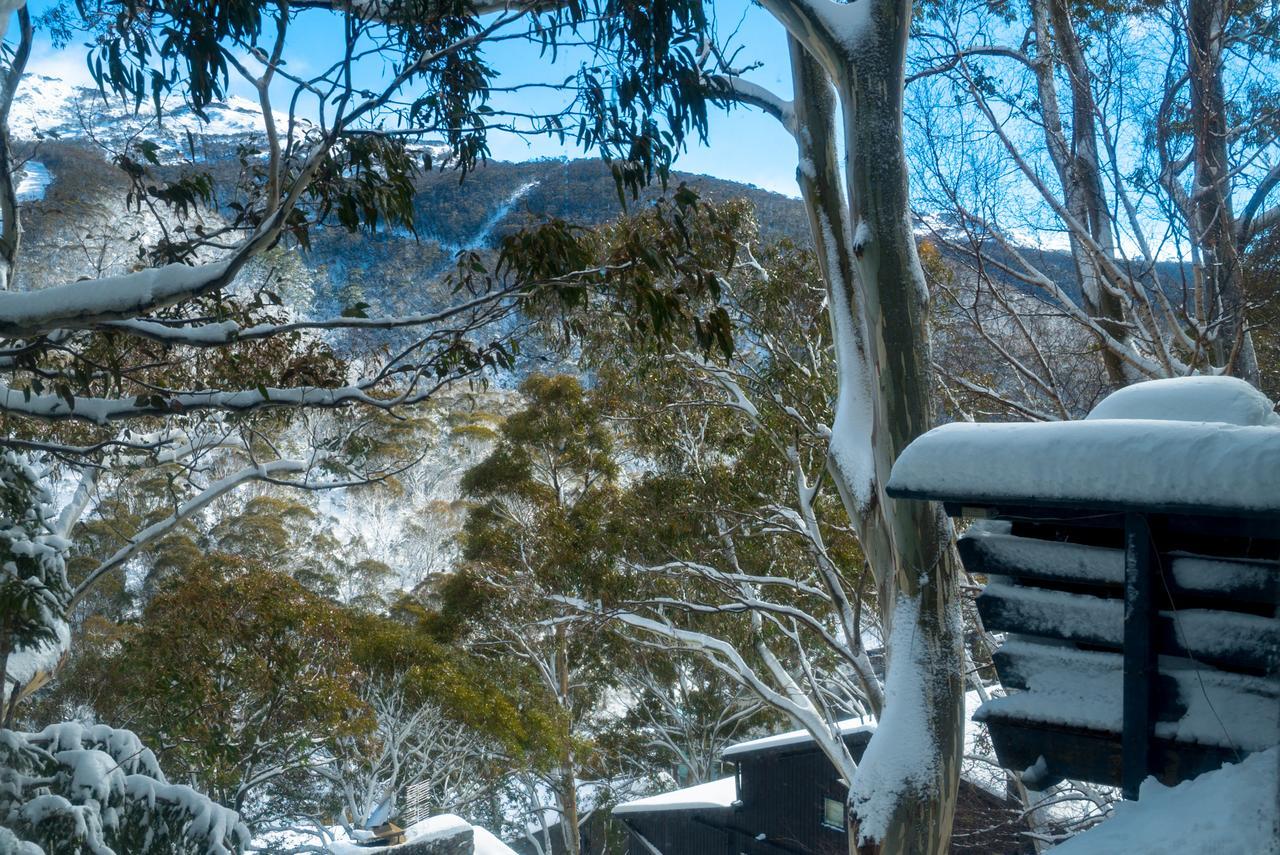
(1232, 809)
(713, 794)
(1138, 448)
(433, 828)
(795, 737)
(487, 844)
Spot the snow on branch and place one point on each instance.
(90, 301)
(155, 531)
(734, 88)
(98, 789)
(102, 411)
(786, 697)
(226, 332)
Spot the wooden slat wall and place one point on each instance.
(1057, 586)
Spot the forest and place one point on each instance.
(349, 473)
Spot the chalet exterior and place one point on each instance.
(786, 797)
(1133, 560)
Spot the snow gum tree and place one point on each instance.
(848, 69)
(1141, 132)
(543, 526)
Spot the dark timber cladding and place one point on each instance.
(1140, 640)
(790, 799)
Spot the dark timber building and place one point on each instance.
(786, 797)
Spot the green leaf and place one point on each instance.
(150, 151)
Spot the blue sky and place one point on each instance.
(744, 145)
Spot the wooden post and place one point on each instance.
(1139, 654)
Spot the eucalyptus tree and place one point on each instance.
(848, 66)
(1142, 133)
(733, 550)
(176, 359)
(542, 526)
(636, 105)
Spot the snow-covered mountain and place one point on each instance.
(47, 107)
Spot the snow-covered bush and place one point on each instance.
(72, 788)
(33, 584)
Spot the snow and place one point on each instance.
(7, 8)
(484, 234)
(1085, 689)
(796, 737)
(980, 767)
(848, 22)
(433, 828)
(1004, 553)
(903, 758)
(1228, 400)
(1200, 573)
(1112, 462)
(9, 843)
(853, 425)
(45, 105)
(106, 774)
(1073, 561)
(25, 663)
(713, 794)
(1205, 633)
(486, 844)
(92, 300)
(1230, 810)
(94, 774)
(207, 820)
(1212, 633)
(1080, 617)
(36, 179)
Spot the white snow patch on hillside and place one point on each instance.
(1230, 810)
(35, 180)
(50, 106)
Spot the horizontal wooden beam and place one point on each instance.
(1055, 562)
(1226, 639)
(1054, 754)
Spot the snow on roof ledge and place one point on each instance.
(714, 794)
(1153, 457)
(1232, 809)
(795, 737)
